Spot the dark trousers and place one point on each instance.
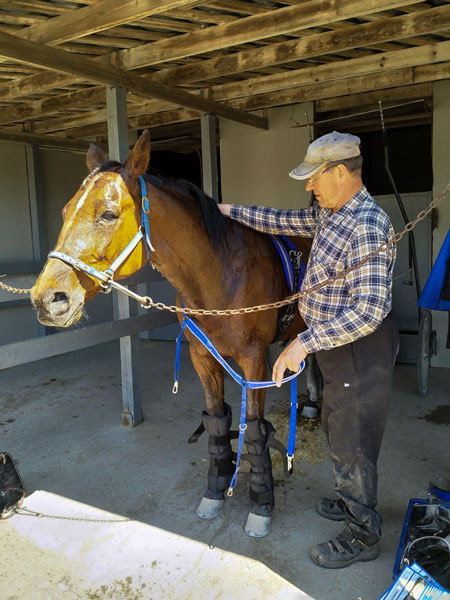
(357, 382)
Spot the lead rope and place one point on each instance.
(245, 385)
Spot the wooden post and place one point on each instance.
(36, 208)
(209, 156)
(122, 308)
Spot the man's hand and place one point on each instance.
(224, 209)
(290, 358)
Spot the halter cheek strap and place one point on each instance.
(106, 277)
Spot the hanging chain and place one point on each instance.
(14, 290)
(147, 302)
(26, 512)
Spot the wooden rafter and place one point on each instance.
(311, 13)
(248, 55)
(59, 60)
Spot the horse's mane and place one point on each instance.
(212, 217)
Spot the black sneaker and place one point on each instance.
(331, 509)
(342, 551)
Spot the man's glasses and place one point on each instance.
(316, 177)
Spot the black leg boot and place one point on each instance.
(260, 478)
(221, 466)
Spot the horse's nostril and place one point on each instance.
(59, 304)
(60, 297)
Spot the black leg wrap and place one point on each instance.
(221, 466)
(260, 477)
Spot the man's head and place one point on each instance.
(332, 168)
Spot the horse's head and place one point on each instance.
(98, 223)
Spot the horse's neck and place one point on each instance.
(183, 253)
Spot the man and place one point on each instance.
(355, 344)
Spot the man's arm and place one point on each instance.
(301, 222)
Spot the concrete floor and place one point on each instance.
(60, 418)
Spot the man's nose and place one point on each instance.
(309, 186)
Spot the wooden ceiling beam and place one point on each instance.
(354, 91)
(370, 98)
(343, 87)
(102, 15)
(44, 141)
(330, 42)
(41, 55)
(322, 74)
(311, 13)
(428, 21)
(376, 63)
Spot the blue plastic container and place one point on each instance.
(418, 508)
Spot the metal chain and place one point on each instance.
(147, 302)
(26, 512)
(14, 290)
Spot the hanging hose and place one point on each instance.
(310, 135)
(412, 242)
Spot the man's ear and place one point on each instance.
(343, 172)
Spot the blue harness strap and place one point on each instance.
(281, 242)
(145, 209)
(204, 339)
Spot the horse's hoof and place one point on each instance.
(209, 508)
(310, 410)
(257, 525)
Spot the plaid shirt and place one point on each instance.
(351, 307)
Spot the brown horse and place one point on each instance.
(212, 262)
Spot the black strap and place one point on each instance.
(221, 466)
(261, 497)
(197, 433)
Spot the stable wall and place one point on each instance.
(15, 241)
(441, 177)
(60, 174)
(255, 164)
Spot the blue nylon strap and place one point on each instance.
(292, 420)
(176, 375)
(242, 428)
(285, 261)
(202, 337)
(281, 248)
(144, 216)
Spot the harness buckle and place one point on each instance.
(295, 256)
(175, 388)
(145, 206)
(230, 492)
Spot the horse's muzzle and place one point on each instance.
(56, 308)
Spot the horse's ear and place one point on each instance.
(94, 157)
(137, 162)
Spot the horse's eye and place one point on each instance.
(108, 216)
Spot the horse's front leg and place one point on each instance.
(217, 423)
(257, 436)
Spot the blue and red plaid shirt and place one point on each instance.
(349, 307)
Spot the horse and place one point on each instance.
(213, 263)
